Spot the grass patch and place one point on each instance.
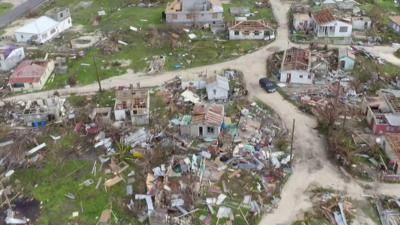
(51, 182)
(365, 71)
(106, 98)
(207, 49)
(4, 7)
(77, 100)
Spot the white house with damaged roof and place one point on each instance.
(296, 66)
(192, 12)
(205, 122)
(250, 30)
(45, 28)
(217, 88)
(328, 25)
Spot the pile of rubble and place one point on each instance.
(205, 164)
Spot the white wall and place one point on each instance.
(16, 56)
(215, 93)
(200, 17)
(360, 24)
(296, 77)
(46, 35)
(41, 38)
(119, 114)
(64, 25)
(23, 37)
(195, 131)
(336, 33)
(250, 36)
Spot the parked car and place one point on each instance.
(267, 85)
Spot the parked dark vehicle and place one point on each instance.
(267, 85)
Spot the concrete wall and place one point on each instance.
(47, 35)
(336, 31)
(120, 114)
(16, 56)
(348, 63)
(64, 25)
(390, 153)
(297, 77)
(195, 131)
(251, 36)
(140, 120)
(361, 24)
(216, 93)
(39, 38)
(185, 18)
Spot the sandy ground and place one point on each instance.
(311, 166)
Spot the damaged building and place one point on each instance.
(295, 67)
(132, 104)
(383, 113)
(205, 122)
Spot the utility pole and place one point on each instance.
(345, 117)
(291, 143)
(97, 74)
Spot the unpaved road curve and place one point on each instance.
(311, 165)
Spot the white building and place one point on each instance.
(30, 75)
(206, 121)
(194, 12)
(250, 30)
(44, 28)
(361, 22)
(295, 66)
(217, 88)
(327, 25)
(10, 56)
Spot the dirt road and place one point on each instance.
(20, 9)
(311, 165)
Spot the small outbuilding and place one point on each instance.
(361, 22)
(217, 88)
(346, 59)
